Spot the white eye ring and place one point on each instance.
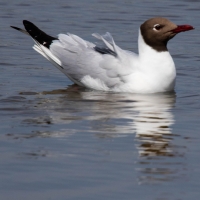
(156, 27)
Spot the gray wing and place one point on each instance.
(81, 60)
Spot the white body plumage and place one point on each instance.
(148, 72)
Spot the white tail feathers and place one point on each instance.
(47, 54)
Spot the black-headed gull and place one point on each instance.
(110, 68)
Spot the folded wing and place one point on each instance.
(86, 64)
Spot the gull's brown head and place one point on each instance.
(156, 32)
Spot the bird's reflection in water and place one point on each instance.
(153, 124)
(114, 115)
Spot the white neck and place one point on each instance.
(145, 49)
(158, 65)
(150, 56)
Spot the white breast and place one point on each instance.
(155, 71)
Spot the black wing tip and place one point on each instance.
(29, 25)
(16, 28)
(19, 29)
(26, 22)
(36, 33)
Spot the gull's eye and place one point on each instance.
(157, 27)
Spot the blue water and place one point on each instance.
(60, 143)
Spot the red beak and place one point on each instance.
(182, 28)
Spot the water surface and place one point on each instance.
(62, 143)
